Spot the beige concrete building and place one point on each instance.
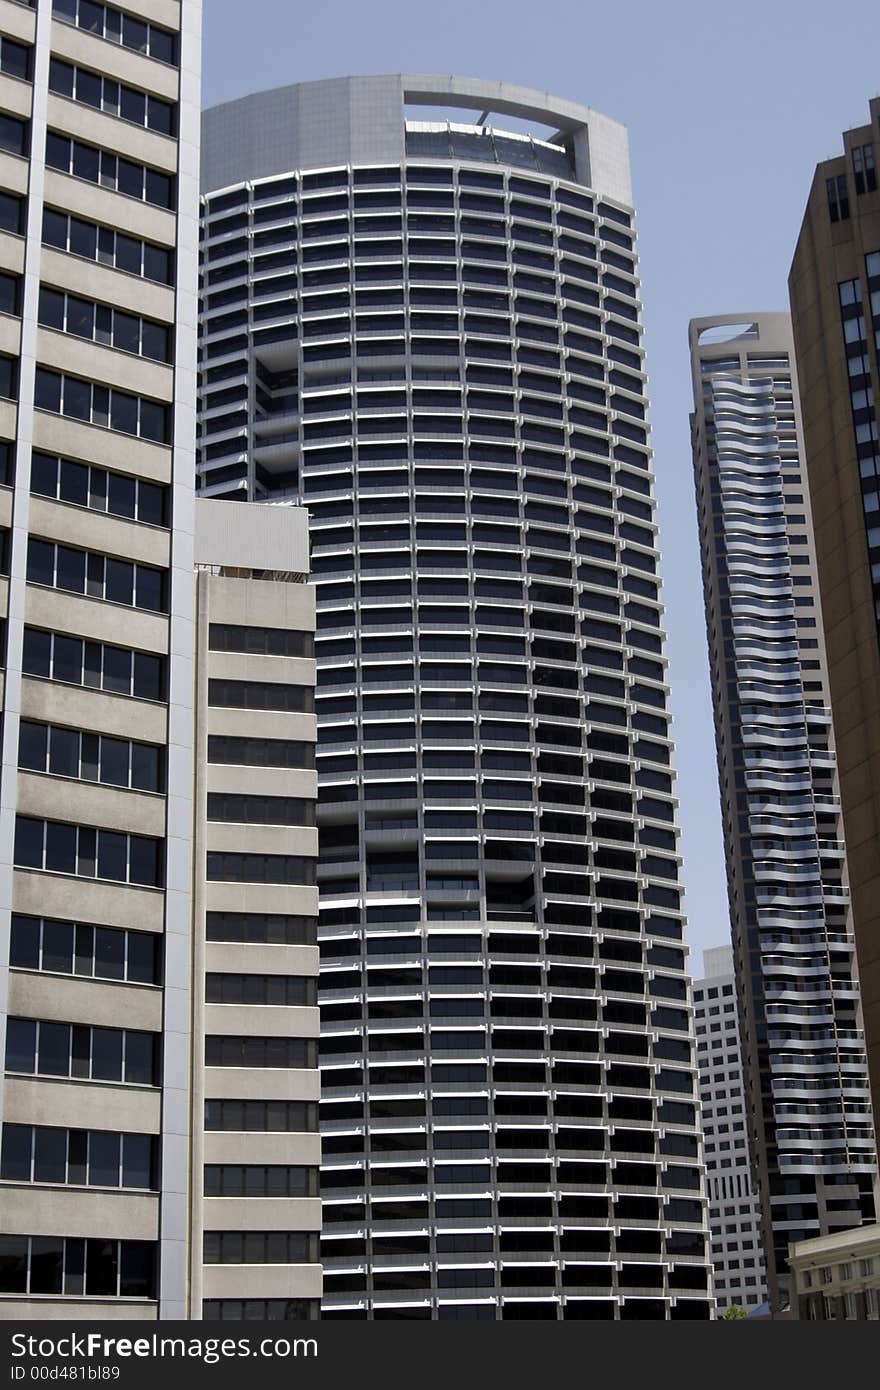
(256, 1211)
(142, 914)
(98, 169)
(835, 301)
(837, 1277)
(738, 1263)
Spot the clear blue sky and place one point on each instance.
(729, 108)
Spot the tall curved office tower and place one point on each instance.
(429, 333)
(803, 1043)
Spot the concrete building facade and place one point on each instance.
(738, 1263)
(124, 1193)
(255, 1206)
(834, 286)
(811, 1134)
(428, 331)
(99, 196)
(837, 1278)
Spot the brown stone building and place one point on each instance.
(835, 300)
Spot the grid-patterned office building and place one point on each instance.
(428, 331)
(158, 1098)
(811, 1135)
(98, 194)
(734, 1211)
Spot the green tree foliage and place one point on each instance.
(734, 1313)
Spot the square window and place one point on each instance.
(109, 953)
(126, 332)
(61, 848)
(83, 238)
(58, 150)
(81, 1052)
(107, 1049)
(74, 482)
(144, 865)
(86, 162)
(77, 398)
(137, 1161)
(104, 1151)
(77, 1152)
(58, 946)
(11, 213)
(134, 34)
(47, 391)
(121, 495)
(13, 1264)
(157, 264)
(47, 1262)
(64, 747)
(128, 254)
(161, 45)
(103, 332)
(133, 106)
(101, 1267)
(88, 88)
(15, 1156)
(130, 179)
(160, 116)
(51, 309)
(153, 422)
(40, 562)
(36, 653)
(124, 412)
(50, 1154)
(150, 505)
(101, 405)
(154, 341)
(136, 1277)
(148, 676)
(150, 593)
(117, 670)
(145, 765)
(53, 1054)
(67, 664)
(112, 855)
(110, 97)
(159, 189)
(24, 943)
(21, 1045)
(44, 474)
(74, 1266)
(114, 761)
(84, 950)
(33, 744)
(70, 570)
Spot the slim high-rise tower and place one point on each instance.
(429, 333)
(835, 304)
(811, 1135)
